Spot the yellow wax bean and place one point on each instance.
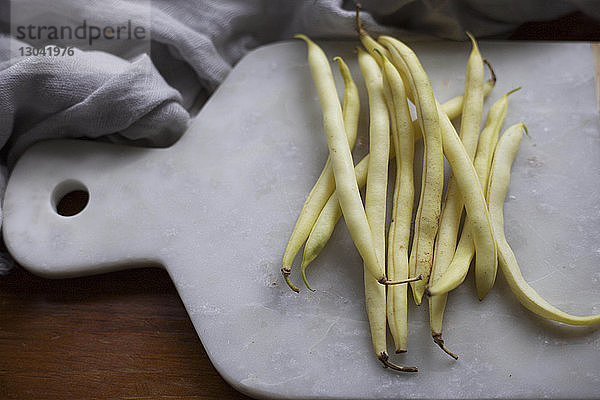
(453, 204)
(428, 211)
(341, 161)
(325, 185)
(505, 153)
(402, 205)
(465, 251)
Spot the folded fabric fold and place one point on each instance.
(90, 94)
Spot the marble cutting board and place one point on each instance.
(216, 210)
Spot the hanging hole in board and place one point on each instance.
(70, 198)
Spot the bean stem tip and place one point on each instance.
(286, 271)
(489, 65)
(387, 282)
(437, 338)
(303, 37)
(512, 91)
(359, 27)
(384, 358)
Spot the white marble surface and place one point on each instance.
(217, 208)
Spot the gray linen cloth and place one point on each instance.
(147, 100)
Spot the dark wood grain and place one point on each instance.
(574, 26)
(122, 335)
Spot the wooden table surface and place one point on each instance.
(126, 335)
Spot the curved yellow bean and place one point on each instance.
(465, 251)
(375, 195)
(325, 185)
(505, 153)
(350, 112)
(453, 205)
(472, 195)
(341, 161)
(428, 211)
(402, 204)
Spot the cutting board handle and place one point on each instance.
(102, 236)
